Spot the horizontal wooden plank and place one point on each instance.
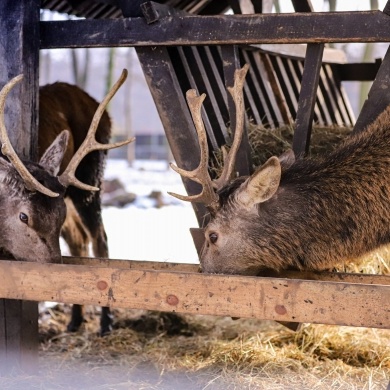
(224, 295)
(131, 264)
(194, 268)
(330, 55)
(362, 26)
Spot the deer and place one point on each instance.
(59, 195)
(305, 214)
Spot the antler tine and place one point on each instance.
(6, 147)
(90, 144)
(200, 174)
(238, 97)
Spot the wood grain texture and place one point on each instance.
(318, 27)
(19, 48)
(277, 299)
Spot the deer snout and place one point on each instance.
(46, 251)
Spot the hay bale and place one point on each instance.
(265, 143)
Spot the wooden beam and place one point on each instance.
(307, 99)
(174, 114)
(302, 6)
(277, 299)
(19, 49)
(317, 27)
(194, 268)
(365, 71)
(378, 97)
(19, 53)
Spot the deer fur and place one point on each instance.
(308, 214)
(78, 219)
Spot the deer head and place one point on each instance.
(229, 246)
(32, 206)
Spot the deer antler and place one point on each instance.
(201, 175)
(6, 148)
(90, 144)
(238, 97)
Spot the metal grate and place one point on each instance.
(271, 90)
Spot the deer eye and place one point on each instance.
(23, 217)
(213, 237)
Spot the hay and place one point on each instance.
(205, 353)
(265, 143)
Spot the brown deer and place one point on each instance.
(305, 214)
(41, 201)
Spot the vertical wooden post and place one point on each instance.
(378, 97)
(307, 98)
(174, 114)
(309, 86)
(19, 53)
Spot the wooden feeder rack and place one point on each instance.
(179, 50)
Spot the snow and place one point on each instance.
(140, 231)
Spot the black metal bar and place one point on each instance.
(212, 62)
(193, 74)
(378, 97)
(321, 106)
(302, 5)
(235, 6)
(266, 67)
(365, 71)
(257, 6)
(334, 90)
(386, 10)
(231, 62)
(343, 94)
(307, 98)
(287, 90)
(153, 11)
(329, 98)
(204, 83)
(213, 75)
(259, 93)
(362, 26)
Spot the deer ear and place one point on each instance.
(262, 185)
(52, 158)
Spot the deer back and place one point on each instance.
(311, 214)
(307, 214)
(65, 106)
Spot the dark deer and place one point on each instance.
(41, 201)
(305, 214)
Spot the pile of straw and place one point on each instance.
(265, 142)
(205, 352)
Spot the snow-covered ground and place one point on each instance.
(142, 232)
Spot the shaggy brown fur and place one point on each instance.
(319, 213)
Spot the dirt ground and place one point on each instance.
(154, 350)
